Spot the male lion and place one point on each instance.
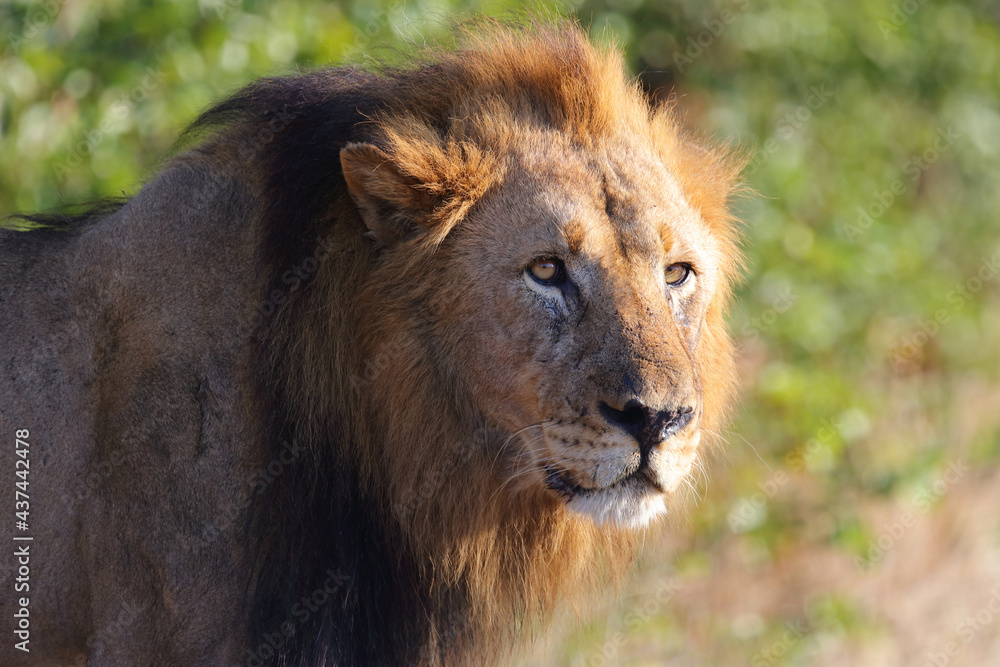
(374, 374)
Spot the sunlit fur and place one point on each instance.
(453, 465)
(471, 149)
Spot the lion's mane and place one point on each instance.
(430, 565)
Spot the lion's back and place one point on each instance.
(126, 353)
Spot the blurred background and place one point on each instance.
(850, 516)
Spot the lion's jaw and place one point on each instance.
(610, 481)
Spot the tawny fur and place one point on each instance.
(402, 193)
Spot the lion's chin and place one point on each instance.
(631, 504)
(634, 496)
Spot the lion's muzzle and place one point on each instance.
(648, 426)
(618, 464)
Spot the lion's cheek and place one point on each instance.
(508, 390)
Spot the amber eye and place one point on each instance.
(677, 274)
(547, 270)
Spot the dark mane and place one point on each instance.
(381, 537)
(290, 130)
(321, 521)
(325, 537)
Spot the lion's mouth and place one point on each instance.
(559, 482)
(614, 482)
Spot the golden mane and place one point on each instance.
(491, 569)
(450, 118)
(306, 239)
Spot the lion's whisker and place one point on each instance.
(687, 480)
(512, 436)
(518, 474)
(755, 452)
(717, 436)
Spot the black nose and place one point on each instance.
(648, 426)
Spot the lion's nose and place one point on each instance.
(648, 426)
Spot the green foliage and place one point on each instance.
(94, 93)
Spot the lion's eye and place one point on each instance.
(547, 270)
(677, 274)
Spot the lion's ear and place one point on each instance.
(390, 201)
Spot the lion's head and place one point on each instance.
(510, 340)
(573, 255)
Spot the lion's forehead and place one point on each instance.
(625, 206)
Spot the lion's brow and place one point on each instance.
(573, 234)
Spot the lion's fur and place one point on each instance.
(395, 490)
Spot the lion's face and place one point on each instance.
(579, 290)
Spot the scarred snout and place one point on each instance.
(634, 439)
(648, 425)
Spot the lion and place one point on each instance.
(381, 368)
